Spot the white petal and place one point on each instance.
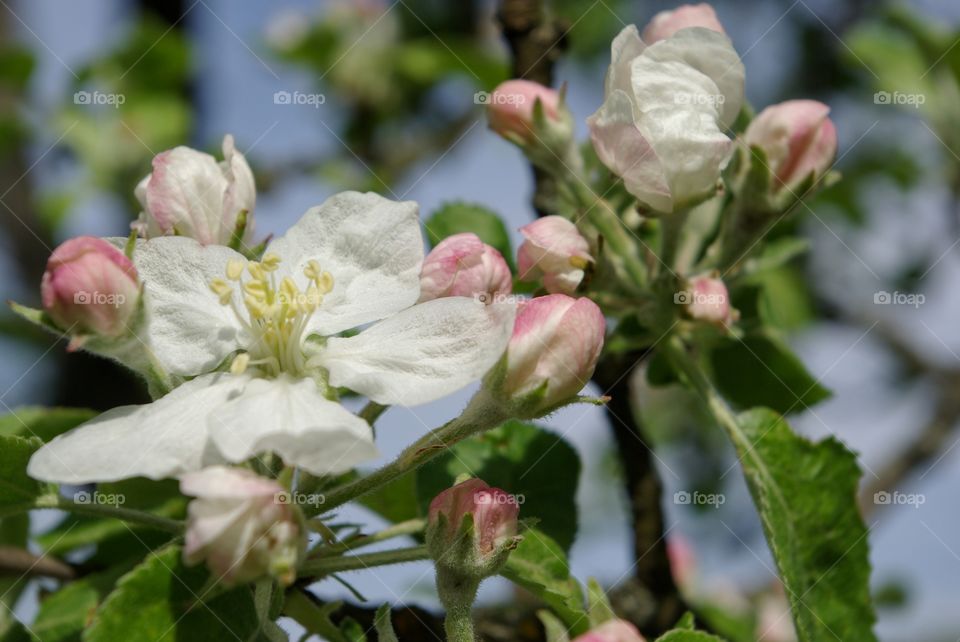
(241, 192)
(623, 147)
(712, 54)
(422, 353)
(188, 330)
(185, 193)
(292, 418)
(157, 440)
(625, 47)
(372, 247)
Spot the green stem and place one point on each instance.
(327, 565)
(457, 594)
(409, 527)
(481, 414)
(670, 227)
(115, 512)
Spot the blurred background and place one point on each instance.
(380, 95)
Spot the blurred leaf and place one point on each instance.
(158, 602)
(457, 217)
(44, 423)
(16, 66)
(806, 494)
(523, 460)
(16, 487)
(760, 370)
(65, 613)
(785, 300)
(13, 532)
(396, 502)
(685, 635)
(539, 565)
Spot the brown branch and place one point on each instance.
(18, 562)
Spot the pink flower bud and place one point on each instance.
(510, 107)
(90, 287)
(242, 525)
(494, 514)
(666, 23)
(554, 348)
(463, 265)
(555, 251)
(612, 631)
(190, 194)
(798, 138)
(707, 300)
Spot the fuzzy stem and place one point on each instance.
(115, 512)
(457, 595)
(327, 565)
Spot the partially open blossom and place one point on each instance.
(555, 251)
(463, 265)
(90, 287)
(190, 194)
(612, 631)
(798, 138)
(706, 299)
(666, 23)
(554, 348)
(242, 525)
(666, 108)
(494, 513)
(511, 105)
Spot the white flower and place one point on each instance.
(661, 125)
(351, 261)
(190, 194)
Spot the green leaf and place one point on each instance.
(64, 614)
(686, 622)
(539, 565)
(13, 532)
(456, 217)
(161, 600)
(381, 620)
(16, 487)
(522, 459)
(760, 370)
(806, 494)
(396, 502)
(685, 635)
(45, 423)
(598, 604)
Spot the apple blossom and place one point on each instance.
(494, 513)
(666, 107)
(555, 251)
(798, 138)
(349, 262)
(241, 525)
(463, 265)
(612, 631)
(706, 299)
(190, 194)
(552, 354)
(511, 108)
(666, 23)
(90, 287)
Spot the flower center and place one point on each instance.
(275, 313)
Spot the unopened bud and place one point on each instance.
(463, 265)
(555, 251)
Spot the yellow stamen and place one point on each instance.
(270, 262)
(240, 362)
(222, 289)
(235, 269)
